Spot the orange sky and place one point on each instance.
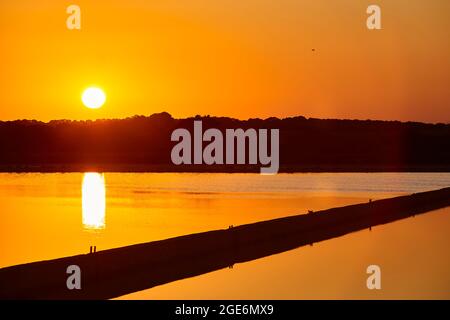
(249, 58)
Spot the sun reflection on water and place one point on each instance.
(93, 200)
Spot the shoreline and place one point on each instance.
(138, 168)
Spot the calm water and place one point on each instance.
(47, 216)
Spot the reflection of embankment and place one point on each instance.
(115, 272)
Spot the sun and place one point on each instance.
(93, 98)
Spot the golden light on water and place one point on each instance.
(93, 200)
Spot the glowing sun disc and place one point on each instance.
(93, 98)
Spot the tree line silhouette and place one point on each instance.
(143, 143)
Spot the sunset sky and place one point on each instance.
(249, 58)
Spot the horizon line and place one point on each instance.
(198, 116)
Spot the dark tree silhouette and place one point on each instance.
(143, 143)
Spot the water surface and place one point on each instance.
(46, 216)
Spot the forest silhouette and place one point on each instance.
(142, 143)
